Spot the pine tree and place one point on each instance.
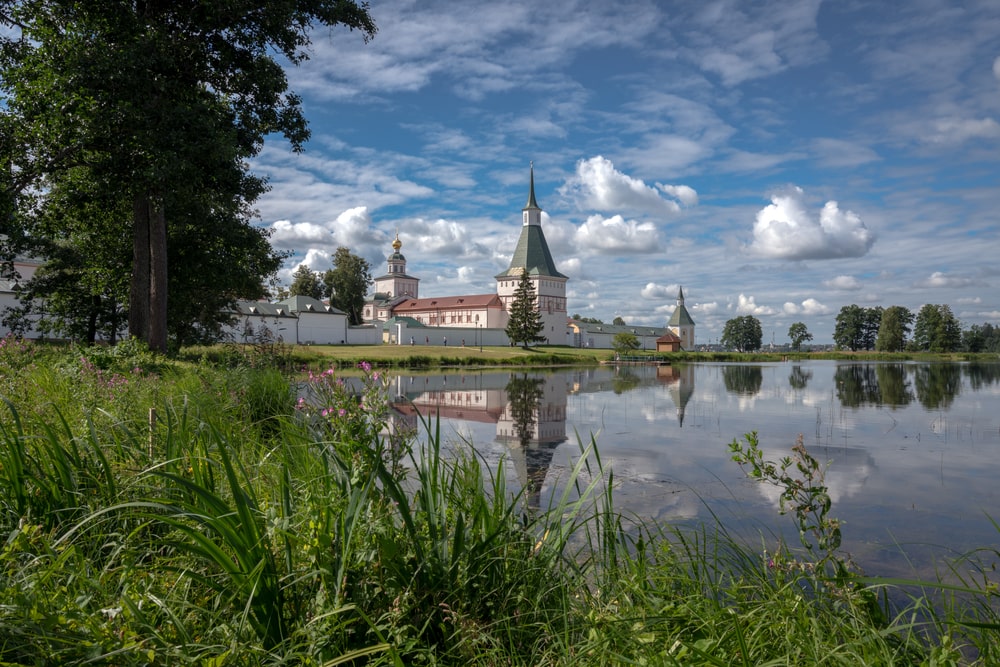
(525, 322)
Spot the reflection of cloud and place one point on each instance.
(845, 474)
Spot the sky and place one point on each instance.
(775, 158)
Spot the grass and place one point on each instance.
(239, 527)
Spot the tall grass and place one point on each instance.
(238, 527)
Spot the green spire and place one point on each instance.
(531, 192)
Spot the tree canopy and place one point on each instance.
(798, 333)
(524, 325)
(306, 282)
(163, 102)
(742, 333)
(347, 283)
(893, 328)
(624, 343)
(936, 329)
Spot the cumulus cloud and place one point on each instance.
(940, 279)
(807, 307)
(658, 292)
(786, 230)
(616, 235)
(598, 185)
(843, 283)
(748, 306)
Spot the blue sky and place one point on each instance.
(777, 158)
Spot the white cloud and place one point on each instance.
(658, 292)
(953, 131)
(969, 301)
(808, 307)
(598, 185)
(684, 194)
(839, 153)
(616, 235)
(996, 68)
(843, 283)
(786, 230)
(709, 308)
(288, 235)
(940, 279)
(747, 306)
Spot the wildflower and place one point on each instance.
(365, 366)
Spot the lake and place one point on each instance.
(912, 449)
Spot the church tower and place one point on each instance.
(681, 323)
(533, 257)
(395, 282)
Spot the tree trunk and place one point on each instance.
(157, 277)
(138, 297)
(147, 311)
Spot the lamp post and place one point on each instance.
(480, 337)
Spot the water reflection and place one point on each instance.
(799, 379)
(742, 380)
(910, 448)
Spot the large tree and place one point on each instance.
(157, 99)
(742, 333)
(524, 323)
(306, 282)
(849, 330)
(893, 329)
(81, 229)
(798, 333)
(936, 329)
(347, 283)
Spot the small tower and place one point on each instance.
(681, 323)
(395, 282)
(532, 256)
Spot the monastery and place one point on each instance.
(397, 299)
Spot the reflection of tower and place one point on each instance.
(532, 425)
(680, 386)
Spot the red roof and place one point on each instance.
(448, 303)
(669, 337)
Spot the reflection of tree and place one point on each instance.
(624, 381)
(981, 375)
(857, 385)
(745, 380)
(523, 394)
(893, 385)
(799, 378)
(937, 385)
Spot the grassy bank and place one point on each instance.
(161, 513)
(435, 356)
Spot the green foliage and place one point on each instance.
(201, 538)
(936, 329)
(893, 328)
(798, 334)
(857, 328)
(524, 324)
(624, 343)
(306, 282)
(167, 118)
(742, 333)
(347, 283)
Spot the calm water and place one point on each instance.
(913, 449)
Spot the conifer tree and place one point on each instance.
(525, 323)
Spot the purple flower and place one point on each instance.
(365, 366)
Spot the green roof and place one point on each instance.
(532, 253)
(680, 318)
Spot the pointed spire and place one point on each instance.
(531, 192)
(680, 295)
